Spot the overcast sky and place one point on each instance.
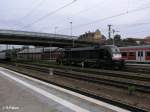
(85, 15)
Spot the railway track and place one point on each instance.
(138, 68)
(95, 79)
(76, 75)
(105, 78)
(122, 74)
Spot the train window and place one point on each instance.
(140, 53)
(131, 53)
(148, 53)
(124, 53)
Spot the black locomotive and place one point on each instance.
(99, 56)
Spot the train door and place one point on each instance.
(140, 56)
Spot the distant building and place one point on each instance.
(144, 41)
(135, 41)
(147, 40)
(93, 37)
(139, 41)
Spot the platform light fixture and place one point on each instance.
(71, 34)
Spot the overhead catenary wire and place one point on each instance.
(137, 32)
(147, 1)
(131, 25)
(89, 8)
(135, 25)
(32, 10)
(110, 17)
(128, 7)
(49, 14)
(81, 11)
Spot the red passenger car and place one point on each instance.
(136, 53)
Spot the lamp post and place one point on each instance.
(49, 50)
(71, 34)
(0, 48)
(55, 30)
(114, 31)
(113, 37)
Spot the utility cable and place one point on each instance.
(49, 14)
(132, 25)
(89, 8)
(32, 10)
(81, 11)
(126, 33)
(110, 17)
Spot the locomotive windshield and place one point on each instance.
(115, 50)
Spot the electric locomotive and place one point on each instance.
(99, 56)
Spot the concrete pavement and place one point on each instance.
(20, 93)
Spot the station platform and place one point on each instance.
(20, 93)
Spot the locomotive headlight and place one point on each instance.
(116, 56)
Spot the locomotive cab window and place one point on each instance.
(115, 50)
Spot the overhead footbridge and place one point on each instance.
(40, 39)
